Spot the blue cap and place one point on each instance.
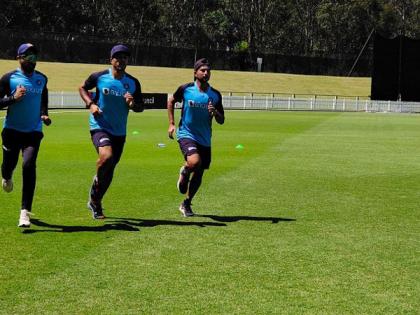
(120, 49)
(201, 62)
(24, 47)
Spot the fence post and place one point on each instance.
(272, 101)
(357, 103)
(230, 99)
(344, 104)
(244, 101)
(62, 99)
(334, 102)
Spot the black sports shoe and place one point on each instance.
(183, 180)
(97, 211)
(185, 208)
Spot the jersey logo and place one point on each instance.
(126, 86)
(193, 104)
(110, 91)
(39, 82)
(33, 90)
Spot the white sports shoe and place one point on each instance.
(24, 219)
(185, 208)
(7, 185)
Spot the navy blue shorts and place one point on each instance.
(189, 147)
(101, 138)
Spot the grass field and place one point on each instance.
(68, 77)
(317, 214)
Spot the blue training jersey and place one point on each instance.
(24, 115)
(110, 99)
(195, 122)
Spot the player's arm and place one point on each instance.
(135, 101)
(89, 84)
(5, 91)
(171, 116)
(176, 98)
(217, 110)
(219, 115)
(44, 106)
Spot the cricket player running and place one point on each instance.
(24, 92)
(116, 93)
(200, 104)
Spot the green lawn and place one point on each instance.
(68, 77)
(317, 214)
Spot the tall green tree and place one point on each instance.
(293, 27)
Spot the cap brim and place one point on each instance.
(121, 53)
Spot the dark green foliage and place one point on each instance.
(290, 27)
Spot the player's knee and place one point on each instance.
(194, 165)
(194, 162)
(105, 159)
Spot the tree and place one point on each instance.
(292, 27)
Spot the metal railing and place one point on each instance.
(273, 102)
(318, 104)
(65, 100)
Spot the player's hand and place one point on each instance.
(171, 131)
(129, 99)
(95, 110)
(211, 108)
(19, 93)
(46, 120)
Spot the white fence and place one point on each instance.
(65, 100)
(271, 102)
(318, 104)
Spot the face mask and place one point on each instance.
(28, 67)
(120, 67)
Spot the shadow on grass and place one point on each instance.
(134, 224)
(113, 224)
(153, 223)
(220, 218)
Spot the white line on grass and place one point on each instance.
(68, 111)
